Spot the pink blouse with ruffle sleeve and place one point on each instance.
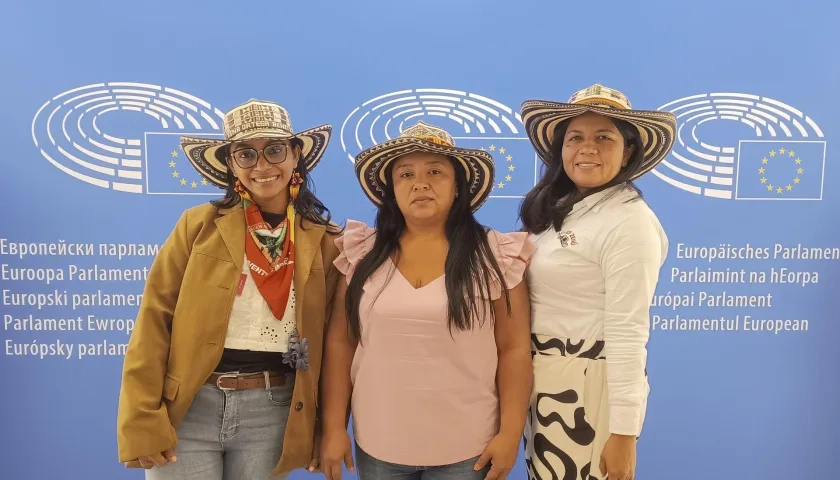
(423, 396)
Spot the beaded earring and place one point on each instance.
(294, 185)
(238, 188)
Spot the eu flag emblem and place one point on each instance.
(780, 170)
(168, 172)
(515, 161)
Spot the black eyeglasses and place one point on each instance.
(248, 157)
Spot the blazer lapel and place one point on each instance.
(231, 226)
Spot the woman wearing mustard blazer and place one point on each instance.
(221, 373)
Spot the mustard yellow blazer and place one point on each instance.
(180, 329)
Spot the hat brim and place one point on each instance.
(657, 129)
(207, 155)
(371, 164)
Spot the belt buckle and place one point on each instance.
(225, 375)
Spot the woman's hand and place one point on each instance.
(158, 460)
(315, 463)
(501, 454)
(618, 459)
(335, 449)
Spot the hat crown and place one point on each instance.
(257, 116)
(429, 133)
(600, 96)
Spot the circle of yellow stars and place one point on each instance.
(183, 181)
(765, 161)
(511, 167)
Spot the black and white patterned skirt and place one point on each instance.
(568, 418)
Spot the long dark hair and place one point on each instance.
(469, 260)
(307, 204)
(552, 198)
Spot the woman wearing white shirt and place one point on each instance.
(599, 252)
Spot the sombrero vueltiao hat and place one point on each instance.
(657, 129)
(255, 119)
(371, 164)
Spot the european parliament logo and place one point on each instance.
(738, 146)
(75, 132)
(474, 121)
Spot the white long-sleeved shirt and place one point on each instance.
(595, 280)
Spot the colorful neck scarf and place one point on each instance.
(271, 251)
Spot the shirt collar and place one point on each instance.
(599, 199)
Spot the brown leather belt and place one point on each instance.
(237, 381)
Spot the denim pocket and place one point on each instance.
(281, 396)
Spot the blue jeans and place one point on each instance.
(230, 435)
(369, 468)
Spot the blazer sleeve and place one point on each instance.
(143, 426)
(329, 252)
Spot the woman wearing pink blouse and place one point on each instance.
(428, 342)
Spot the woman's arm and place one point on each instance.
(339, 348)
(515, 372)
(336, 389)
(143, 427)
(631, 259)
(514, 379)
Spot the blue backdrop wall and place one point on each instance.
(744, 323)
